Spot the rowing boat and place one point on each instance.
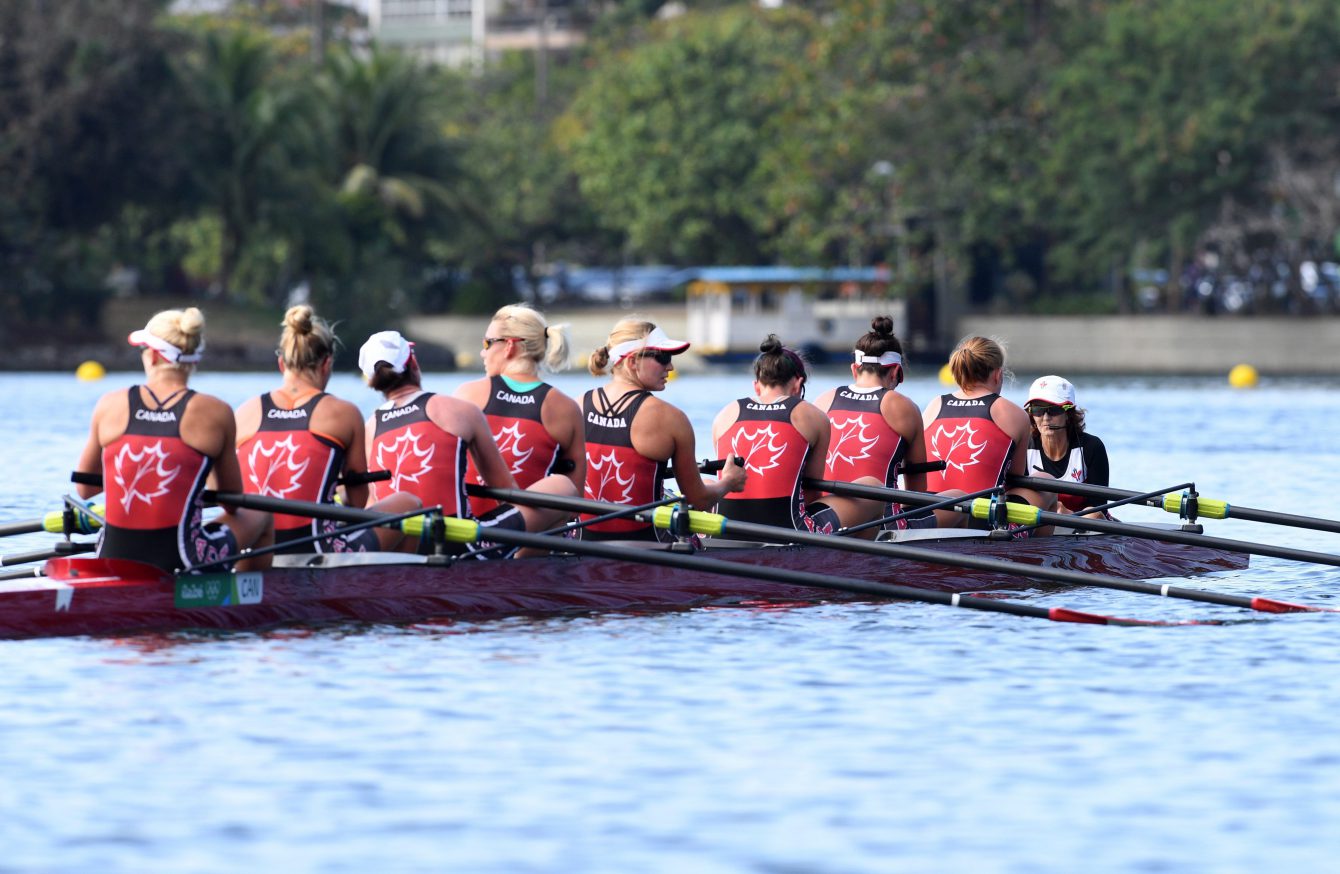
(82, 595)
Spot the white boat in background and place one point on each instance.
(819, 311)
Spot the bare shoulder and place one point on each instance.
(558, 400)
(1010, 416)
(809, 412)
(210, 406)
(896, 402)
(825, 400)
(332, 408)
(113, 400)
(933, 408)
(458, 416)
(663, 412)
(340, 406)
(476, 391)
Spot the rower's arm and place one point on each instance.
(474, 428)
(701, 495)
(90, 461)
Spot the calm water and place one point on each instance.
(828, 739)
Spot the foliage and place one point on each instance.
(668, 138)
(87, 124)
(1028, 151)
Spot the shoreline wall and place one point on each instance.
(1147, 344)
(1153, 344)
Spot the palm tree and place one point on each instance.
(255, 133)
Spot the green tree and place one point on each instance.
(395, 183)
(253, 137)
(89, 118)
(668, 138)
(1169, 114)
(535, 212)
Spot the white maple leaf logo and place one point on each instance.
(406, 461)
(851, 443)
(142, 475)
(758, 448)
(955, 446)
(509, 444)
(608, 469)
(270, 467)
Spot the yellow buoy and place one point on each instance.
(1243, 376)
(90, 371)
(467, 360)
(672, 376)
(946, 376)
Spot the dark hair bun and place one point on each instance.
(882, 325)
(770, 346)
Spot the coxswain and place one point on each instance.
(782, 438)
(424, 440)
(538, 428)
(875, 431)
(631, 434)
(979, 435)
(156, 447)
(1059, 447)
(300, 443)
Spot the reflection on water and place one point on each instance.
(840, 737)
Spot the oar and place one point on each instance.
(1208, 508)
(36, 571)
(470, 531)
(357, 520)
(53, 522)
(64, 547)
(620, 511)
(945, 504)
(717, 525)
(1026, 514)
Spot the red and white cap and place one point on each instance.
(171, 354)
(1052, 390)
(386, 346)
(657, 341)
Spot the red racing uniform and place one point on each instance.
(423, 458)
(152, 484)
(286, 459)
(527, 448)
(975, 450)
(863, 443)
(615, 471)
(774, 454)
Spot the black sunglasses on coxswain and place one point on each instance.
(660, 356)
(1039, 410)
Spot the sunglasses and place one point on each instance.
(660, 356)
(1038, 410)
(489, 341)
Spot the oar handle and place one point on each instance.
(707, 465)
(362, 478)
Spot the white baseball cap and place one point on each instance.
(1052, 390)
(386, 346)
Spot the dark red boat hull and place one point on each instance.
(90, 596)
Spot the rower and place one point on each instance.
(876, 431)
(424, 439)
(783, 439)
(979, 435)
(538, 428)
(299, 443)
(156, 446)
(631, 434)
